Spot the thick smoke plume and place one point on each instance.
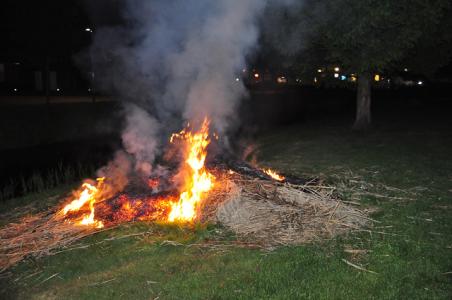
(117, 172)
(175, 61)
(140, 138)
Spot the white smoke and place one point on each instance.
(140, 138)
(202, 73)
(178, 60)
(117, 172)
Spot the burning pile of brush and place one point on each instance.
(95, 206)
(258, 205)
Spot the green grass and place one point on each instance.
(410, 249)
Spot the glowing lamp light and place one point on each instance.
(57, 90)
(237, 79)
(87, 29)
(319, 71)
(377, 77)
(353, 78)
(336, 69)
(256, 75)
(420, 82)
(336, 75)
(406, 69)
(15, 89)
(315, 79)
(281, 79)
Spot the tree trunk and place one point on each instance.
(363, 97)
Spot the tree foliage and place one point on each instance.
(361, 35)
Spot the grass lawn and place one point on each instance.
(404, 176)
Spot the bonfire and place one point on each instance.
(260, 206)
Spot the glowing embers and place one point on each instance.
(87, 197)
(168, 199)
(197, 179)
(90, 209)
(273, 174)
(125, 208)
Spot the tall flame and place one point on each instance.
(88, 195)
(199, 181)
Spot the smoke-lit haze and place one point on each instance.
(140, 138)
(175, 61)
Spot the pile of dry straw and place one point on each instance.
(272, 213)
(260, 212)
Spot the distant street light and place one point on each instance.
(281, 79)
(91, 73)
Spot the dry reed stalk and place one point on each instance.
(358, 267)
(37, 235)
(276, 213)
(263, 214)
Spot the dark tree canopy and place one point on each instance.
(363, 37)
(369, 35)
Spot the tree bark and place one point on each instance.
(363, 100)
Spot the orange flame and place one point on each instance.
(273, 174)
(168, 208)
(88, 195)
(199, 181)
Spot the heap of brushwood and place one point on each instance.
(272, 213)
(37, 235)
(258, 209)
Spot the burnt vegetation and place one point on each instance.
(225, 149)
